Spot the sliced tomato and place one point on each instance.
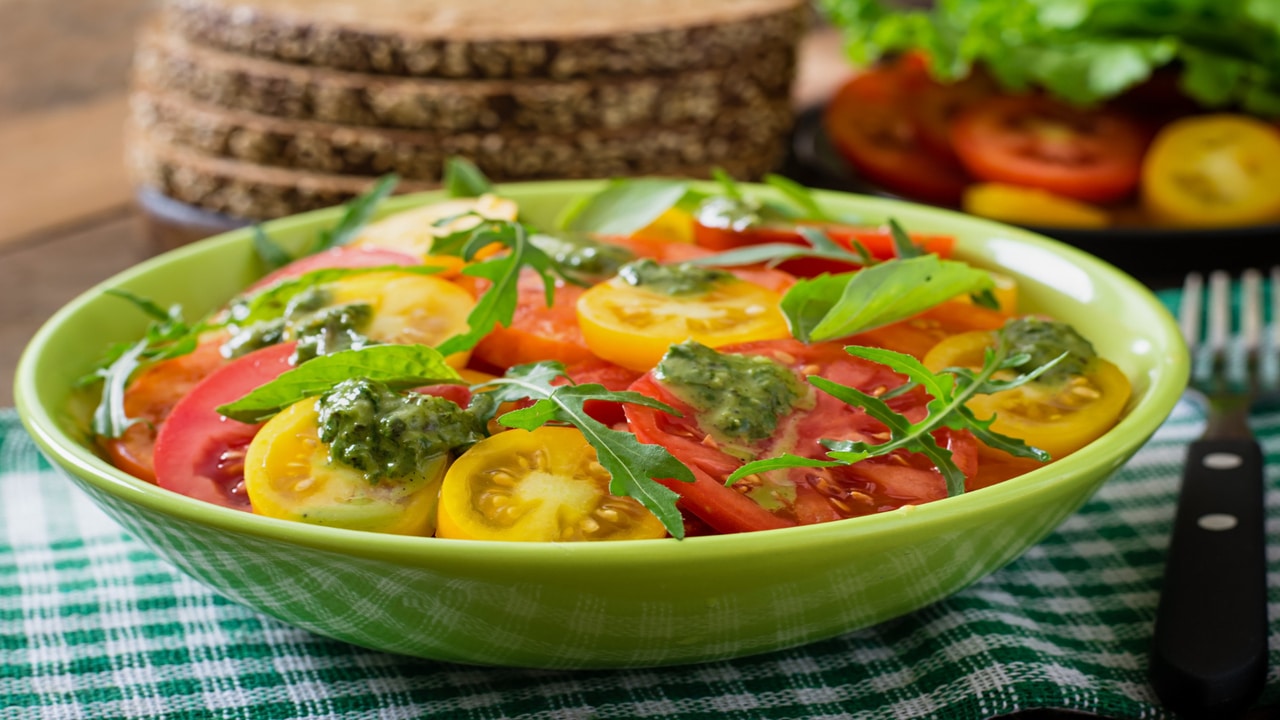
(538, 331)
(150, 398)
(868, 122)
(633, 326)
(933, 106)
(1214, 170)
(348, 256)
(918, 335)
(799, 495)
(1057, 418)
(408, 308)
(288, 475)
(877, 241)
(539, 486)
(1093, 155)
(200, 453)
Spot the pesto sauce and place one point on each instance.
(678, 279)
(319, 328)
(1044, 340)
(581, 256)
(388, 435)
(740, 397)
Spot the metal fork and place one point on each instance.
(1209, 649)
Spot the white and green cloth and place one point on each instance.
(94, 625)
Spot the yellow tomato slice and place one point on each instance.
(674, 225)
(414, 231)
(545, 485)
(1031, 206)
(633, 326)
(288, 475)
(1057, 418)
(409, 308)
(1213, 170)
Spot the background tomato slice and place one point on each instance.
(868, 122)
(150, 398)
(199, 453)
(1088, 154)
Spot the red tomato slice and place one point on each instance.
(200, 453)
(1092, 155)
(150, 398)
(339, 257)
(868, 122)
(801, 495)
(933, 106)
(538, 331)
(878, 242)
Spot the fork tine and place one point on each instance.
(1219, 329)
(1189, 310)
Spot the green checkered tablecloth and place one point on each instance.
(92, 624)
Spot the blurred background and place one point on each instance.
(70, 211)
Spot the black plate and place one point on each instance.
(1159, 257)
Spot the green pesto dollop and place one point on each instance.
(677, 279)
(319, 327)
(583, 257)
(386, 434)
(332, 329)
(728, 213)
(740, 397)
(1044, 340)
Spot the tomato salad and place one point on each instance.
(668, 362)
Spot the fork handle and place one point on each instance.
(1209, 649)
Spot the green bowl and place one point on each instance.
(603, 605)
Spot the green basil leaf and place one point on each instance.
(399, 366)
(625, 206)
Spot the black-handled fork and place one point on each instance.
(1209, 649)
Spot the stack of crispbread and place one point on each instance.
(263, 108)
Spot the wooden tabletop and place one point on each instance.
(67, 206)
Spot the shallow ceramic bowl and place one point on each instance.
(597, 605)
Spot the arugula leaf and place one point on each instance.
(949, 390)
(798, 195)
(835, 306)
(273, 256)
(772, 254)
(497, 306)
(634, 466)
(167, 336)
(358, 213)
(903, 246)
(399, 366)
(625, 206)
(463, 179)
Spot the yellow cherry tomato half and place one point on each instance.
(288, 475)
(408, 308)
(1058, 418)
(633, 326)
(545, 485)
(414, 231)
(1023, 205)
(1213, 170)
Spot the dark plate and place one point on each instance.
(1158, 256)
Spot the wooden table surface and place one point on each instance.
(67, 218)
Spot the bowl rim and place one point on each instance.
(1109, 452)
